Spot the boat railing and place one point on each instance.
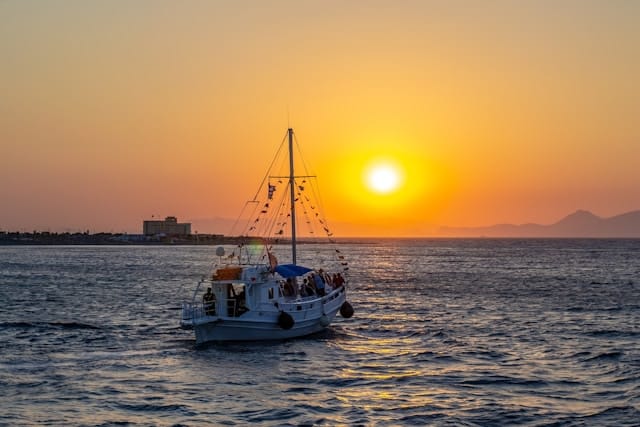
(193, 311)
(307, 303)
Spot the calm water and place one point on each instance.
(446, 332)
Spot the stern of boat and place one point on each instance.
(189, 313)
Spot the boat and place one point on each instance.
(249, 295)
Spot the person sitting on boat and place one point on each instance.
(338, 280)
(241, 302)
(288, 289)
(306, 289)
(326, 277)
(302, 290)
(208, 300)
(319, 282)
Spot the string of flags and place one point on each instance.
(275, 223)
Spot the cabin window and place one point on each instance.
(236, 299)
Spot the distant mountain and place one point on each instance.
(579, 224)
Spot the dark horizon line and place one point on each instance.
(107, 239)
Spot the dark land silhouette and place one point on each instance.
(580, 224)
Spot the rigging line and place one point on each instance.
(301, 156)
(252, 217)
(317, 199)
(255, 197)
(269, 215)
(314, 187)
(273, 219)
(316, 195)
(266, 176)
(315, 184)
(306, 206)
(233, 229)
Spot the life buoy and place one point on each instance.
(346, 310)
(324, 320)
(285, 321)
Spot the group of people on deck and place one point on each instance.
(314, 284)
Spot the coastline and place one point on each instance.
(54, 239)
(123, 239)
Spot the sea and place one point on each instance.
(478, 332)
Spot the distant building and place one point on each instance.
(169, 226)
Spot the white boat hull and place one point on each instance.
(309, 317)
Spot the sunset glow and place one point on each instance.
(413, 116)
(383, 178)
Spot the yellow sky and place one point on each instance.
(500, 111)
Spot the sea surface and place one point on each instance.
(445, 333)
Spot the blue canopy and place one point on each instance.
(291, 270)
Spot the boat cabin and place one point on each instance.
(237, 290)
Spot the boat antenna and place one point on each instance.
(293, 198)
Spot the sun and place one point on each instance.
(383, 178)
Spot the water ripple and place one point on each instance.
(446, 333)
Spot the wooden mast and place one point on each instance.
(293, 199)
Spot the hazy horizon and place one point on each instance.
(414, 114)
(224, 226)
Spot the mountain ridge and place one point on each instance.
(581, 223)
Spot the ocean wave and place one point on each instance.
(501, 380)
(150, 408)
(614, 415)
(48, 325)
(513, 335)
(605, 357)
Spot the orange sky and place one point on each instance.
(498, 111)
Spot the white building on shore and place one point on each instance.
(169, 226)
